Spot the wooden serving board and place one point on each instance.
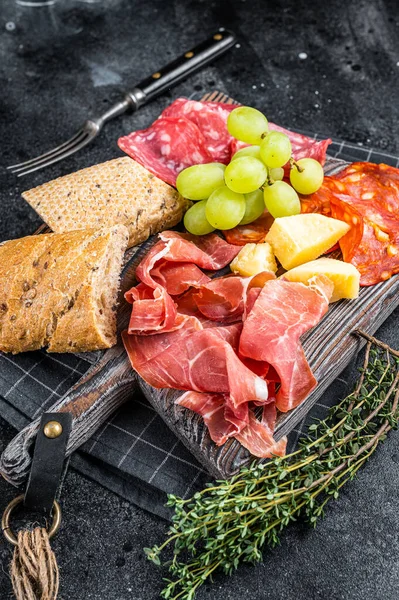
(328, 347)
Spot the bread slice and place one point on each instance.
(60, 290)
(117, 191)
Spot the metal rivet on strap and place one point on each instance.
(52, 429)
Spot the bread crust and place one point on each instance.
(117, 191)
(48, 290)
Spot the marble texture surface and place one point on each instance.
(56, 71)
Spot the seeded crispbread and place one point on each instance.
(60, 290)
(117, 191)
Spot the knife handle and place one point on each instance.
(178, 69)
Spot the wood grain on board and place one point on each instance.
(328, 347)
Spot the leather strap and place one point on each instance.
(47, 462)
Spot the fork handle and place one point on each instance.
(178, 69)
(171, 74)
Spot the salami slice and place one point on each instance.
(304, 146)
(190, 132)
(319, 202)
(210, 118)
(167, 147)
(253, 233)
(372, 244)
(371, 182)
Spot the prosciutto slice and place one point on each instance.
(205, 362)
(257, 437)
(169, 269)
(226, 299)
(212, 408)
(281, 314)
(155, 313)
(227, 342)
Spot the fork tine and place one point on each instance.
(27, 163)
(67, 152)
(38, 162)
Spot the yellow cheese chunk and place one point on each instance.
(298, 239)
(253, 259)
(344, 276)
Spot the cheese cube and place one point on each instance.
(298, 239)
(253, 259)
(344, 276)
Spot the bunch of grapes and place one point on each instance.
(237, 194)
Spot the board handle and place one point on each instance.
(91, 401)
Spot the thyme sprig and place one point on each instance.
(231, 521)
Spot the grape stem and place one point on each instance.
(269, 180)
(293, 164)
(264, 134)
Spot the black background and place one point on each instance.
(56, 73)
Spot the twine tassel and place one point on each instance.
(34, 569)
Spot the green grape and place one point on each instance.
(254, 207)
(281, 200)
(309, 179)
(225, 208)
(244, 175)
(276, 174)
(275, 150)
(247, 124)
(195, 220)
(199, 181)
(248, 151)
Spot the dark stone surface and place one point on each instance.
(346, 87)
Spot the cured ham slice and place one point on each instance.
(155, 314)
(258, 438)
(222, 423)
(189, 132)
(225, 299)
(169, 269)
(206, 251)
(177, 277)
(205, 362)
(211, 407)
(281, 314)
(153, 345)
(227, 342)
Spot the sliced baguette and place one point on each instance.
(60, 290)
(117, 191)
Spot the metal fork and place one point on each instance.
(147, 90)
